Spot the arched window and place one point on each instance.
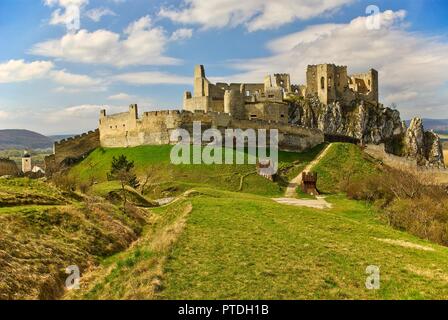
(322, 83)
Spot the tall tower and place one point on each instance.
(200, 82)
(26, 162)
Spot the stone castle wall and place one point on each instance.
(155, 128)
(407, 164)
(68, 151)
(8, 168)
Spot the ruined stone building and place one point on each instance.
(241, 100)
(270, 100)
(332, 103)
(331, 83)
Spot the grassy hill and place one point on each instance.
(172, 179)
(213, 243)
(343, 162)
(220, 239)
(45, 230)
(222, 245)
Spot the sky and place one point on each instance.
(56, 76)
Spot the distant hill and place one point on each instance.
(438, 125)
(23, 139)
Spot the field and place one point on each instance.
(220, 238)
(222, 245)
(216, 244)
(174, 180)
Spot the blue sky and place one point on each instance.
(54, 80)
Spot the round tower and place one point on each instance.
(229, 97)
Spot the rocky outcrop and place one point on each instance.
(426, 147)
(369, 123)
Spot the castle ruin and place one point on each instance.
(240, 105)
(270, 100)
(332, 103)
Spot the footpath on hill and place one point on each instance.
(291, 193)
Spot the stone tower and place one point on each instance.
(327, 81)
(26, 162)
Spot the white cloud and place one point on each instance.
(127, 99)
(15, 71)
(120, 97)
(412, 66)
(151, 77)
(81, 112)
(142, 44)
(76, 80)
(254, 14)
(181, 34)
(97, 13)
(19, 70)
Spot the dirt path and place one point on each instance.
(297, 181)
(291, 194)
(318, 203)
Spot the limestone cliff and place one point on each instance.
(369, 124)
(426, 147)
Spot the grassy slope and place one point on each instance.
(45, 230)
(244, 246)
(341, 159)
(241, 246)
(218, 244)
(15, 192)
(183, 177)
(111, 190)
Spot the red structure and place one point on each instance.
(309, 183)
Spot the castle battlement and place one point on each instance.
(263, 105)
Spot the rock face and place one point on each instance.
(424, 146)
(368, 123)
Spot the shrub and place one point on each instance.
(65, 182)
(84, 187)
(409, 202)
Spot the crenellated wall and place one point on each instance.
(73, 149)
(155, 128)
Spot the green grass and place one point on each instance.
(45, 230)
(111, 190)
(175, 179)
(216, 243)
(26, 191)
(342, 161)
(242, 246)
(303, 195)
